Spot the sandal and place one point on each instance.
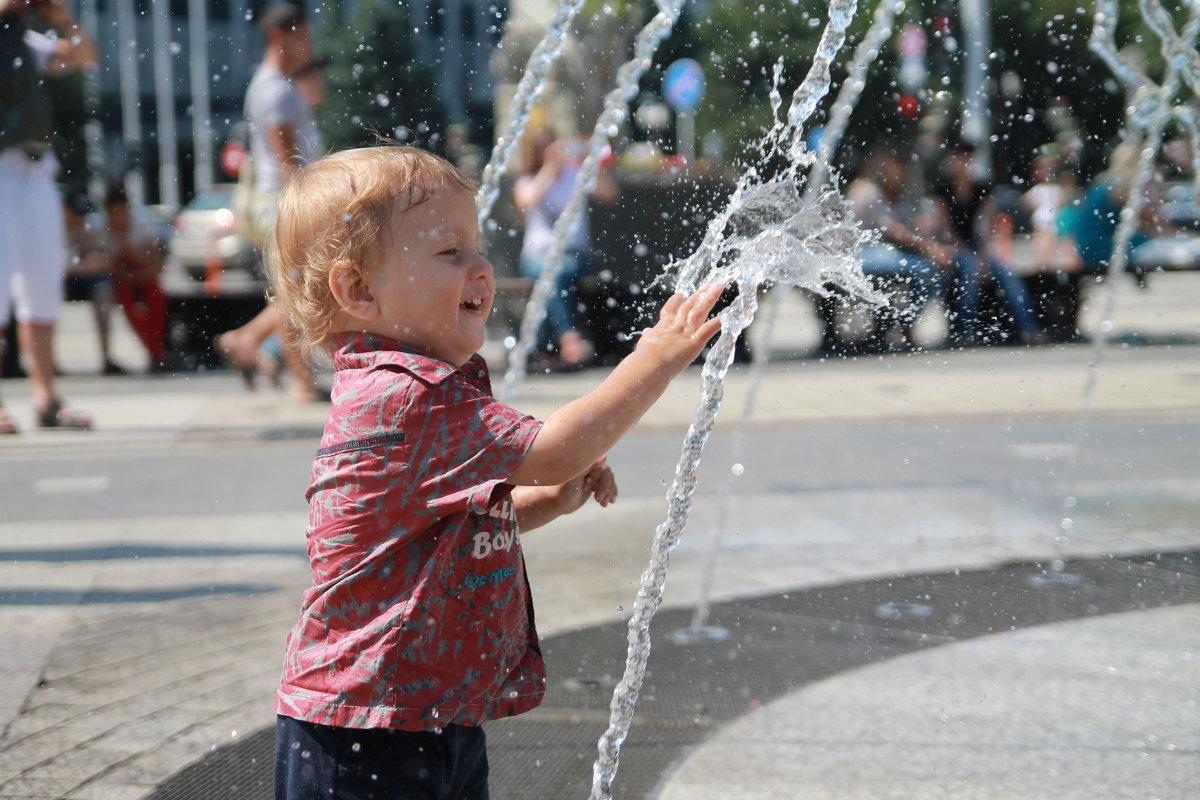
(8, 425)
(57, 415)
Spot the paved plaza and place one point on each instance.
(878, 576)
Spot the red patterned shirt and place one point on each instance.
(420, 613)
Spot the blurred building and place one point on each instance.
(152, 51)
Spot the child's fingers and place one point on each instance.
(693, 309)
(709, 329)
(700, 305)
(672, 306)
(605, 490)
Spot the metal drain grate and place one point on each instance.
(776, 643)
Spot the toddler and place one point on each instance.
(419, 623)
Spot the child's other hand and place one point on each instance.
(683, 328)
(601, 483)
(598, 482)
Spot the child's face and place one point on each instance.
(433, 287)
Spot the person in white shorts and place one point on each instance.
(32, 234)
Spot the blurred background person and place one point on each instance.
(1092, 223)
(965, 222)
(904, 253)
(33, 253)
(89, 271)
(1049, 202)
(283, 137)
(540, 195)
(136, 253)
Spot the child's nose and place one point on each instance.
(482, 267)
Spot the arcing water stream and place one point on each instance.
(769, 232)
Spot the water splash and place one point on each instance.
(769, 232)
(608, 125)
(1150, 108)
(839, 118)
(529, 91)
(852, 87)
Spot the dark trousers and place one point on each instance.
(318, 762)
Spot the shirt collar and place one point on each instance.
(369, 351)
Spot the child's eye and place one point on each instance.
(449, 251)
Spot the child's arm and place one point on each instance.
(537, 505)
(575, 436)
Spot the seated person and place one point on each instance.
(135, 255)
(921, 262)
(964, 211)
(1092, 223)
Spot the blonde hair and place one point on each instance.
(333, 214)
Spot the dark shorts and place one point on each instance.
(318, 762)
(78, 288)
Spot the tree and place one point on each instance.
(1039, 47)
(375, 84)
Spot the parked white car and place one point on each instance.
(206, 255)
(213, 276)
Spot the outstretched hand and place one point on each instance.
(683, 328)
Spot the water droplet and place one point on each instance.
(174, 48)
(737, 469)
(382, 100)
(1066, 523)
(1069, 502)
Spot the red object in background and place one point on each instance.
(607, 158)
(212, 272)
(233, 155)
(678, 162)
(908, 106)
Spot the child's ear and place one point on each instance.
(352, 293)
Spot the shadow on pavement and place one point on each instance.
(776, 644)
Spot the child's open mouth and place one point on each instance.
(473, 305)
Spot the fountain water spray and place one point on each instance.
(608, 125)
(529, 91)
(1150, 109)
(839, 118)
(769, 233)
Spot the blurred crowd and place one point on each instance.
(1005, 263)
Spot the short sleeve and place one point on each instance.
(277, 103)
(470, 445)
